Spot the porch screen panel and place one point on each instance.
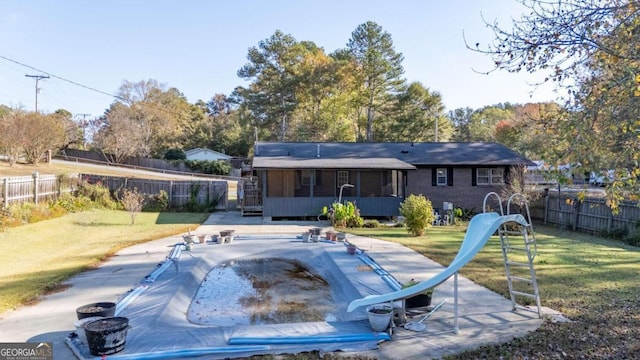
(371, 183)
(280, 183)
(325, 183)
(304, 180)
(391, 183)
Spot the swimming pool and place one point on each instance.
(160, 308)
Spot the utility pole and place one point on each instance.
(84, 130)
(38, 78)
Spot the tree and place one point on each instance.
(120, 136)
(11, 139)
(461, 118)
(483, 122)
(74, 132)
(418, 116)
(591, 48)
(164, 117)
(41, 133)
(270, 99)
(563, 36)
(379, 66)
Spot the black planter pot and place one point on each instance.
(420, 300)
(107, 336)
(103, 309)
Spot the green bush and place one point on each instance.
(99, 195)
(72, 204)
(175, 154)
(345, 215)
(464, 214)
(158, 202)
(633, 238)
(371, 224)
(418, 214)
(216, 167)
(615, 234)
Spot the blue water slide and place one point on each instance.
(480, 229)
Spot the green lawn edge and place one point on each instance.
(41, 256)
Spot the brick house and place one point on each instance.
(298, 179)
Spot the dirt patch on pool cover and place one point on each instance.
(262, 291)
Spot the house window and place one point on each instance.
(441, 177)
(490, 176)
(342, 178)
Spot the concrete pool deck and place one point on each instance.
(485, 317)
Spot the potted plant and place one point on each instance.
(379, 316)
(420, 300)
(331, 235)
(351, 249)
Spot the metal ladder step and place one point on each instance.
(518, 248)
(520, 293)
(519, 278)
(516, 263)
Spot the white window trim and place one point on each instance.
(491, 173)
(445, 177)
(342, 177)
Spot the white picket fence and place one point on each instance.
(35, 188)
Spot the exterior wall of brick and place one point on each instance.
(462, 194)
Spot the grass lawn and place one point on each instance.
(40, 256)
(594, 282)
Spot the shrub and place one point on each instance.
(216, 167)
(615, 234)
(157, 202)
(418, 214)
(345, 215)
(633, 238)
(98, 194)
(175, 154)
(72, 203)
(465, 214)
(132, 201)
(371, 224)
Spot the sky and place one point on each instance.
(88, 48)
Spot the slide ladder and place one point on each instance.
(519, 249)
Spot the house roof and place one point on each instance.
(197, 150)
(417, 154)
(287, 162)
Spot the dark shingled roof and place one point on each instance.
(426, 154)
(286, 162)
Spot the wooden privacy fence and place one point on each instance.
(589, 214)
(35, 188)
(180, 192)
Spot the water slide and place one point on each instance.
(480, 229)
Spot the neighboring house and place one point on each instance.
(298, 179)
(206, 154)
(540, 174)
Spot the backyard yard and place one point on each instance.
(592, 281)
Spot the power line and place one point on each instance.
(61, 78)
(87, 87)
